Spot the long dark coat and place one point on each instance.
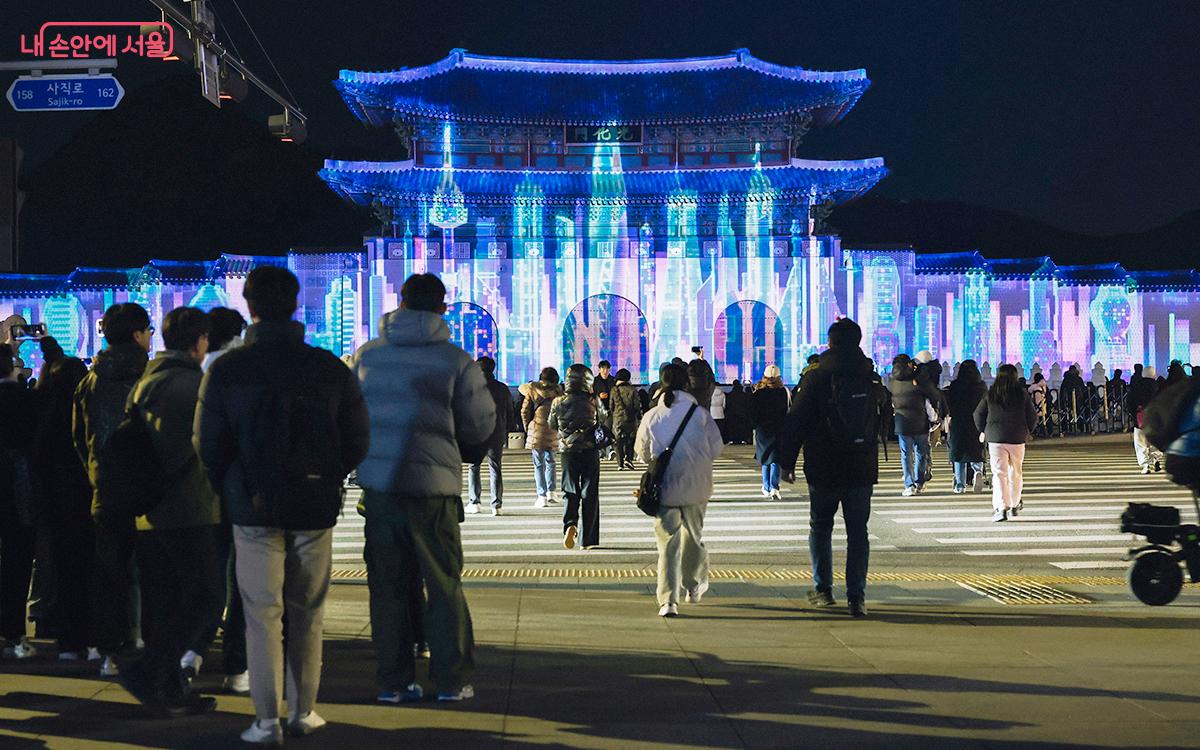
(768, 409)
(962, 396)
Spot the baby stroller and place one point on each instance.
(1155, 576)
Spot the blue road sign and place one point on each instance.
(65, 93)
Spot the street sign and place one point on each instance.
(65, 93)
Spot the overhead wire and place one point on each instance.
(265, 53)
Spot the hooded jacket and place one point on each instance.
(626, 407)
(233, 393)
(825, 465)
(689, 477)
(573, 415)
(535, 414)
(425, 395)
(908, 402)
(166, 396)
(962, 396)
(100, 400)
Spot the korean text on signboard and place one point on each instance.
(84, 39)
(591, 134)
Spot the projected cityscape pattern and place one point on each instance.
(630, 211)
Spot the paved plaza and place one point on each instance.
(979, 636)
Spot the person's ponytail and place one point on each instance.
(674, 378)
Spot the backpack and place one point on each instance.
(649, 491)
(294, 470)
(130, 478)
(1161, 420)
(852, 413)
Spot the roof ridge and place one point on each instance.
(814, 164)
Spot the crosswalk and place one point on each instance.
(738, 521)
(1074, 495)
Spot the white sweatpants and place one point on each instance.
(682, 557)
(1147, 454)
(1007, 478)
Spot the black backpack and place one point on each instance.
(130, 478)
(853, 414)
(1163, 416)
(294, 470)
(649, 491)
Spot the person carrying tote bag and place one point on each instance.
(686, 487)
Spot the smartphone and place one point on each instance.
(29, 332)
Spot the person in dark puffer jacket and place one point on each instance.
(18, 409)
(913, 406)
(244, 397)
(502, 398)
(1006, 417)
(99, 408)
(573, 416)
(626, 411)
(966, 450)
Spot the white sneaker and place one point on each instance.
(22, 649)
(766, 492)
(776, 495)
(495, 512)
(694, 597)
(540, 502)
(551, 499)
(298, 726)
(909, 491)
(1146, 469)
(466, 692)
(471, 509)
(668, 610)
(108, 668)
(94, 654)
(266, 732)
(189, 665)
(238, 684)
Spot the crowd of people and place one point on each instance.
(149, 503)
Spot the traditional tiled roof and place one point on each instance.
(396, 182)
(179, 270)
(31, 285)
(1020, 268)
(1092, 275)
(477, 88)
(1165, 280)
(949, 262)
(84, 278)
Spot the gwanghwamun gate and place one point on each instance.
(630, 210)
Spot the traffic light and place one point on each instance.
(233, 84)
(287, 128)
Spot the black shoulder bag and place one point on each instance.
(649, 491)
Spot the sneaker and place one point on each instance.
(94, 654)
(569, 537)
(909, 492)
(1014, 512)
(858, 609)
(959, 490)
(1157, 465)
(668, 610)
(821, 598)
(1145, 468)
(186, 704)
(694, 597)
(410, 694)
(551, 499)
(920, 488)
(776, 495)
(495, 512)
(22, 649)
(766, 492)
(238, 684)
(70, 656)
(298, 726)
(264, 732)
(977, 485)
(540, 502)
(466, 692)
(1000, 515)
(108, 668)
(471, 509)
(189, 667)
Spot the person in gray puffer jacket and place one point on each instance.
(573, 415)
(425, 396)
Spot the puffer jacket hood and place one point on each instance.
(414, 328)
(578, 381)
(123, 362)
(573, 416)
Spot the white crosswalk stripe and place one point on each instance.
(739, 520)
(1073, 495)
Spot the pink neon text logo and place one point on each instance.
(80, 39)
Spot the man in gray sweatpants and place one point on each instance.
(426, 397)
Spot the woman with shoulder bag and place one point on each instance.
(686, 487)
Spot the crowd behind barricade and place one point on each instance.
(148, 504)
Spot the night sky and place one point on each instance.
(1081, 114)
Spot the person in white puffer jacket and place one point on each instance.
(686, 489)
